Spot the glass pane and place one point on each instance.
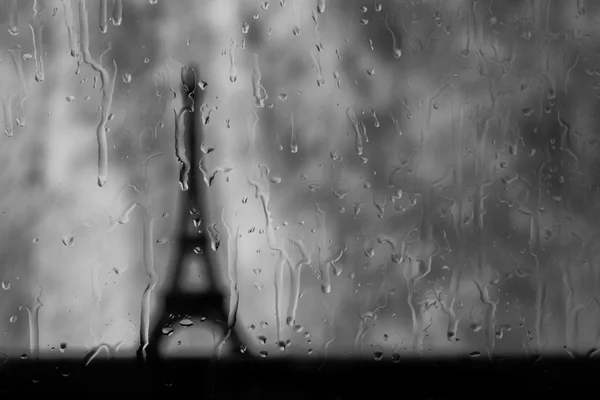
(311, 178)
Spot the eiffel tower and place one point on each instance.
(209, 304)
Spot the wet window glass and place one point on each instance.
(298, 178)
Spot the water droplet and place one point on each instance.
(502, 329)
(310, 351)
(23, 356)
(6, 285)
(263, 324)
(245, 28)
(474, 354)
(313, 187)
(395, 357)
(265, 5)
(378, 355)
(282, 96)
(168, 329)
(264, 353)
(202, 85)
(186, 322)
(364, 21)
(528, 111)
(13, 319)
(70, 99)
(68, 240)
(198, 250)
(251, 327)
(363, 9)
(283, 345)
(321, 6)
(276, 179)
(377, 7)
(62, 347)
(162, 240)
(215, 237)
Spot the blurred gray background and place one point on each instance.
(436, 162)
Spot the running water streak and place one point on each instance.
(479, 212)
(360, 131)
(260, 93)
(37, 27)
(117, 12)
(232, 67)
(396, 51)
(73, 45)
(449, 301)
(108, 86)
(18, 64)
(264, 194)
(13, 17)
(148, 228)
(184, 168)
(8, 119)
(293, 142)
(296, 270)
(232, 270)
(323, 259)
(103, 16)
(317, 63)
(34, 328)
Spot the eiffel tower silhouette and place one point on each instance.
(178, 304)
